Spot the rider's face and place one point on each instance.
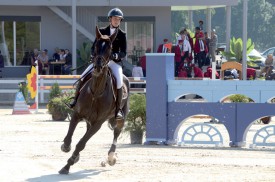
(115, 21)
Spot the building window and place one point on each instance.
(18, 37)
(140, 35)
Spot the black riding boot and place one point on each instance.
(119, 114)
(77, 92)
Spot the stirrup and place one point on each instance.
(119, 115)
(71, 104)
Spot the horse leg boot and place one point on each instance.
(119, 115)
(77, 92)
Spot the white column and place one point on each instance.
(208, 19)
(228, 27)
(37, 88)
(74, 35)
(244, 63)
(190, 19)
(14, 43)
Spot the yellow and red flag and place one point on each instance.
(31, 77)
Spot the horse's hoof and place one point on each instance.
(63, 171)
(112, 162)
(103, 164)
(65, 148)
(111, 159)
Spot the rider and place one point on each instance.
(119, 46)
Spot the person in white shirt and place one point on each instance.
(183, 35)
(185, 48)
(137, 72)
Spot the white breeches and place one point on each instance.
(117, 72)
(116, 69)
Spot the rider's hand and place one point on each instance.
(114, 56)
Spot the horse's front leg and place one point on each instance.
(66, 146)
(111, 154)
(79, 147)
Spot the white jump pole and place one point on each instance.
(37, 88)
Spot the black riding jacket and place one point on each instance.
(119, 45)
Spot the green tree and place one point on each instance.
(261, 22)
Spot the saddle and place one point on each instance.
(113, 80)
(114, 87)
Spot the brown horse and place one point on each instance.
(97, 103)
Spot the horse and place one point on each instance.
(97, 103)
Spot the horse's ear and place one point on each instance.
(98, 34)
(112, 37)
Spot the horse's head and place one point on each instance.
(103, 50)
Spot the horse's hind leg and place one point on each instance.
(79, 147)
(66, 146)
(111, 154)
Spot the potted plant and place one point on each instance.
(56, 105)
(23, 88)
(136, 119)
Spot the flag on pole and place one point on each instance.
(32, 86)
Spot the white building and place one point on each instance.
(46, 24)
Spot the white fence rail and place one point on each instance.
(65, 82)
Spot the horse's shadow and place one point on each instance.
(84, 174)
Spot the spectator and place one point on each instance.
(143, 62)
(185, 48)
(68, 63)
(200, 48)
(43, 62)
(190, 70)
(184, 34)
(213, 45)
(208, 73)
(162, 48)
(56, 55)
(201, 25)
(62, 55)
(268, 64)
(137, 72)
(26, 59)
(1, 60)
(177, 58)
(34, 57)
(250, 73)
(207, 40)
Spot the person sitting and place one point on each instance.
(56, 55)
(208, 73)
(190, 70)
(43, 62)
(268, 65)
(251, 73)
(66, 68)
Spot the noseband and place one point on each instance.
(97, 57)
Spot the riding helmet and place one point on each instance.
(115, 12)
